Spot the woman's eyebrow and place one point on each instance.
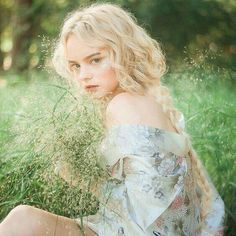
(87, 57)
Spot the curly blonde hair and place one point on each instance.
(139, 64)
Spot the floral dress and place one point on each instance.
(147, 193)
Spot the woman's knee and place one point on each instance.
(19, 221)
(19, 213)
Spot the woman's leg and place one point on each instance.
(26, 220)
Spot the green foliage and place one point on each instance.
(51, 128)
(206, 95)
(178, 25)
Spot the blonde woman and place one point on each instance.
(158, 186)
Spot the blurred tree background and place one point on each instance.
(182, 26)
(199, 40)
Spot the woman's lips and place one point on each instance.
(91, 87)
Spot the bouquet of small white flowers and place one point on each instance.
(54, 160)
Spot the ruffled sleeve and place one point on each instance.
(151, 189)
(152, 166)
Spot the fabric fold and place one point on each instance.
(146, 193)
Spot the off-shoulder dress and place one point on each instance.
(148, 193)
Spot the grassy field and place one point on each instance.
(206, 97)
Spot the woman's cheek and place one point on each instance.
(105, 64)
(105, 71)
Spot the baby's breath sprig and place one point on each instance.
(54, 161)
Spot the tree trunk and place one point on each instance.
(23, 32)
(1, 36)
(1, 52)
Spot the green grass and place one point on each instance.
(206, 97)
(44, 125)
(208, 101)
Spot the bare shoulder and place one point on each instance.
(121, 101)
(127, 108)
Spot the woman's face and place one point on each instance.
(91, 67)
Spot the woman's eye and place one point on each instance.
(75, 67)
(96, 60)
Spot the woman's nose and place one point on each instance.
(84, 74)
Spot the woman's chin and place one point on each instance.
(96, 95)
(99, 94)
